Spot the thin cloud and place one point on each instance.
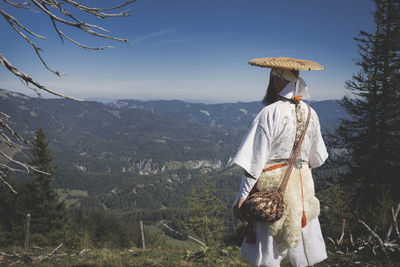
(147, 36)
(175, 41)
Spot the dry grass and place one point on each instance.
(151, 257)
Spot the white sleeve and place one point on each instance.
(318, 152)
(255, 148)
(245, 187)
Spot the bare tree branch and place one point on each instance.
(9, 168)
(35, 47)
(24, 165)
(29, 80)
(58, 6)
(86, 27)
(5, 139)
(30, 87)
(97, 11)
(3, 123)
(15, 161)
(54, 9)
(8, 142)
(57, 30)
(43, 6)
(8, 17)
(3, 174)
(23, 5)
(85, 46)
(11, 144)
(61, 34)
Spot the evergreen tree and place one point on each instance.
(206, 211)
(371, 137)
(38, 197)
(7, 215)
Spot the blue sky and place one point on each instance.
(194, 50)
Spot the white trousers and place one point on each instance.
(265, 252)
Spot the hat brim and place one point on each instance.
(286, 63)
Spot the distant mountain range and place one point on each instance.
(238, 114)
(128, 151)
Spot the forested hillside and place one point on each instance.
(131, 160)
(129, 152)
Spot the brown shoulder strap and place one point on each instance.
(295, 153)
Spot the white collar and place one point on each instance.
(289, 91)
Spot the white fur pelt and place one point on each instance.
(287, 230)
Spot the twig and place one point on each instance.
(15, 161)
(29, 41)
(97, 11)
(9, 168)
(57, 30)
(86, 27)
(390, 228)
(5, 115)
(14, 263)
(61, 34)
(394, 216)
(6, 183)
(194, 239)
(5, 254)
(82, 45)
(330, 239)
(54, 250)
(6, 139)
(376, 236)
(341, 237)
(26, 166)
(19, 5)
(3, 123)
(83, 251)
(8, 17)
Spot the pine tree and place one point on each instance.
(7, 215)
(206, 211)
(372, 135)
(38, 196)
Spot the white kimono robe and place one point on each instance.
(271, 136)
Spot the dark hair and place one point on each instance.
(271, 96)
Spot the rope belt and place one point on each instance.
(279, 165)
(276, 166)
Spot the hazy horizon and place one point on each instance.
(110, 100)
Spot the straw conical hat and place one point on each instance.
(286, 63)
